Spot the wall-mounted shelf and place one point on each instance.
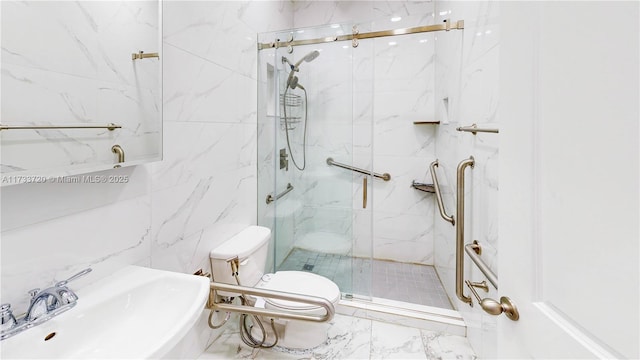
(427, 122)
(429, 188)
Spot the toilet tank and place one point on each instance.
(251, 247)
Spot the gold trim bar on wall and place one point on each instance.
(446, 26)
(111, 127)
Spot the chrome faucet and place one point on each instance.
(44, 305)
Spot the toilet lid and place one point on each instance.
(304, 283)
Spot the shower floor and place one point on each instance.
(412, 283)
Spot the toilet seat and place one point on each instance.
(299, 282)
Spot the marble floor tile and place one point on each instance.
(443, 346)
(353, 338)
(390, 341)
(412, 283)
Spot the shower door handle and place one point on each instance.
(364, 192)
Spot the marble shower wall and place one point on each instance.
(467, 64)
(393, 85)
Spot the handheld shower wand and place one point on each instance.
(294, 68)
(292, 82)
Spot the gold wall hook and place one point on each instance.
(142, 55)
(117, 149)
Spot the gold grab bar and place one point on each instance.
(385, 176)
(460, 230)
(474, 250)
(474, 129)
(436, 185)
(111, 127)
(246, 309)
(271, 198)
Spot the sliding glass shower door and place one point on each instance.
(315, 156)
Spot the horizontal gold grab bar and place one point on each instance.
(271, 198)
(474, 129)
(436, 185)
(473, 250)
(111, 127)
(385, 176)
(245, 309)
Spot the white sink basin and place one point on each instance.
(135, 313)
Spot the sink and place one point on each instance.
(136, 312)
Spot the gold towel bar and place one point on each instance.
(111, 127)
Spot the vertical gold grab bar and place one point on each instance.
(443, 212)
(364, 192)
(460, 230)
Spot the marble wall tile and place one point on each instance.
(467, 76)
(104, 238)
(74, 61)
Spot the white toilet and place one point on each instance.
(251, 247)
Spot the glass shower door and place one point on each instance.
(320, 225)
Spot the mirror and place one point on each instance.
(73, 98)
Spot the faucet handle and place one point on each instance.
(80, 274)
(7, 320)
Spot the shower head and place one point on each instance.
(308, 58)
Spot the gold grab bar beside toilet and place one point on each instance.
(110, 127)
(474, 129)
(385, 176)
(281, 295)
(460, 229)
(436, 185)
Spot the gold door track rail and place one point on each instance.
(265, 293)
(436, 185)
(111, 127)
(460, 230)
(474, 251)
(271, 198)
(474, 129)
(446, 26)
(385, 176)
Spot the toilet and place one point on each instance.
(251, 247)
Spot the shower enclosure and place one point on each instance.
(333, 118)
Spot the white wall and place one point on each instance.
(171, 213)
(467, 68)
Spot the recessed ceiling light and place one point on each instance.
(392, 43)
(396, 18)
